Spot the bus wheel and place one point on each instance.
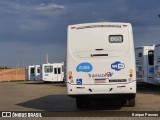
(130, 101)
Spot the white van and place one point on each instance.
(52, 72)
(101, 62)
(30, 72)
(157, 63)
(37, 72)
(145, 64)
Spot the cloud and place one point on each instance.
(146, 35)
(33, 26)
(32, 23)
(28, 7)
(36, 27)
(44, 7)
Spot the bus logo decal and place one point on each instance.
(105, 75)
(117, 66)
(109, 74)
(84, 67)
(46, 75)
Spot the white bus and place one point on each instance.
(145, 64)
(26, 73)
(53, 72)
(101, 62)
(30, 72)
(37, 72)
(157, 63)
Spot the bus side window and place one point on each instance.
(59, 70)
(38, 70)
(151, 57)
(48, 69)
(140, 55)
(32, 70)
(55, 70)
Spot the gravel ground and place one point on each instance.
(37, 96)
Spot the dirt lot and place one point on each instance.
(37, 96)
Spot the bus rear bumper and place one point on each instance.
(126, 88)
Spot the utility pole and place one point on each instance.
(23, 64)
(47, 58)
(16, 71)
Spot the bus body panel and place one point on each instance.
(37, 72)
(26, 73)
(100, 59)
(157, 63)
(31, 72)
(145, 64)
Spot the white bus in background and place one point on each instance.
(157, 63)
(26, 73)
(145, 64)
(37, 72)
(30, 72)
(53, 72)
(101, 62)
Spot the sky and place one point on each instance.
(30, 29)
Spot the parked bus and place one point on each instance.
(30, 72)
(145, 64)
(26, 73)
(157, 63)
(101, 62)
(53, 72)
(37, 72)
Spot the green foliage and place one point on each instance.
(4, 68)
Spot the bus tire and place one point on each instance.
(128, 101)
(131, 102)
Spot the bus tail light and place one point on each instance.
(70, 75)
(130, 75)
